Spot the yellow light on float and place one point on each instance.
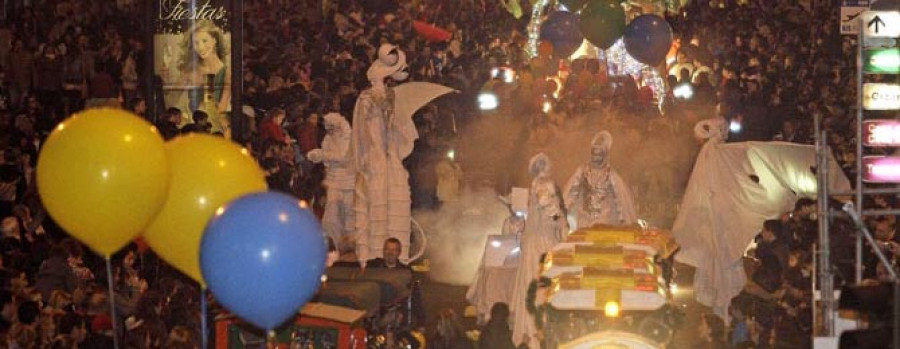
(611, 309)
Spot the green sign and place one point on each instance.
(882, 61)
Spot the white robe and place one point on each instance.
(723, 207)
(545, 226)
(338, 220)
(599, 199)
(380, 142)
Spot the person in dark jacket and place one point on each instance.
(390, 260)
(55, 274)
(168, 124)
(496, 334)
(772, 251)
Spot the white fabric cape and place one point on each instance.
(378, 144)
(723, 208)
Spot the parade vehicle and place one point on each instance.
(609, 287)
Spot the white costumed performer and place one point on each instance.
(545, 226)
(596, 193)
(340, 178)
(383, 135)
(733, 188)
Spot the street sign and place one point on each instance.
(881, 169)
(881, 24)
(878, 96)
(882, 61)
(850, 19)
(881, 133)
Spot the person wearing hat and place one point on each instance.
(379, 143)
(596, 193)
(338, 220)
(545, 226)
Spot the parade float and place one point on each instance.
(608, 285)
(631, 39)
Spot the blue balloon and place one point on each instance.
(263, 257)
(648, 39)
(563, 30)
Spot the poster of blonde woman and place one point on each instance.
(192, 58)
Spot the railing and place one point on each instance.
(855, 216)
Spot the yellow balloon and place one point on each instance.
(207, 172)
(103, 175)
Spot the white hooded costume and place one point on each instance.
(545, 226)
(596, 193)
(733, 189)
(340, 178)
(383, 135)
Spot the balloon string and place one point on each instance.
(112, 303)
(204, 327)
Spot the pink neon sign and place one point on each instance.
(881, 169)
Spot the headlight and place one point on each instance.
(487, 101)
(611, 309)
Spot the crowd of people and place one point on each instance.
(770, 69)
(302, 60)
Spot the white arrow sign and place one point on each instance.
(881, 24)
(881, 96)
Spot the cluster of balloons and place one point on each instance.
(200, 201)
(602, 22)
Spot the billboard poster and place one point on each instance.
(192, 57)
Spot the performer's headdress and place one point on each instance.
(603, 139)
(338, 122)
(711, 128)
(539, 164)
(391, 62)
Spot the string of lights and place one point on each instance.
(534, 26)
(617, 59)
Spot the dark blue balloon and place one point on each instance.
(648, 39)
(563, 30)
(263, 257)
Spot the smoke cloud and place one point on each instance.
(654, 155)
(457, 234)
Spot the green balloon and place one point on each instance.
(603, 22)
(574, 5)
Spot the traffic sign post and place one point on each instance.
(877, 53)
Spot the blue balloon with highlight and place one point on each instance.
(263, 256)
(648, 39)
(563, 30)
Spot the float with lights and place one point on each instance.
(630, 37)
(611, 280)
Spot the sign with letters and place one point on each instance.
(881, 133)
(877, 96)
(192, 57)
(881, 169)
(850, 19)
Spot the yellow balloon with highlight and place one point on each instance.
(103, 175)
(207, 172)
